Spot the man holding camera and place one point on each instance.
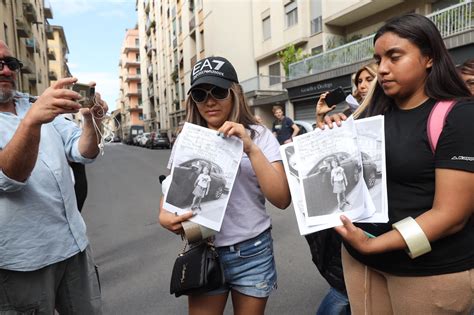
(45, 258)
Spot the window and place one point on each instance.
(316, 50)
(138, 71)
(274, 71)
(291, 12)
(202, 41)
(316, 25)
(267, 31)
(137, 42)
(5, 31)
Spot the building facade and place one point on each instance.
(335, 38)
(130, 97)
(174, 35)
(348, 31)
(25, 28)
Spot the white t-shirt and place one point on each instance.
(245, 216)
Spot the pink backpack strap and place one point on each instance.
(436, 121)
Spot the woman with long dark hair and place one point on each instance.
(422, 260)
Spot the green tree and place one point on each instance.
(290, 55)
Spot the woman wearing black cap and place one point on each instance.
(244, 244)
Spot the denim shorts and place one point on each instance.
(249, 267)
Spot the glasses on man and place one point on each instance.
(200, 95)
(11, 62)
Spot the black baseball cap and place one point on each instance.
(213, 70)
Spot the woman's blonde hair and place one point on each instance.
(372, 70)
(240, 110)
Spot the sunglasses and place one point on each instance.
(200, 95)
(12, 63)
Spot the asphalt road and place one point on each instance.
(135, 254)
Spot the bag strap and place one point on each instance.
(437, 120)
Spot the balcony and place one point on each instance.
(133, 93)
(22, 29)
(358, 11)
(149, 26)
(454, 20)
(131, 63)
(28, 66)
(51, 54)
(192, 24)
(149, 72)
(49, 31)
(151, 92)
(52, 75)
(29, 11)
(30, 44)
(48, 12)
(129, 48)
(271, 84)
(132, 77)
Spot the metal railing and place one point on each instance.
(449, 21)
(454, 19)
(263, 82)
(343, 55)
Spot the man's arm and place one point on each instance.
(18, 157)
(296, 130)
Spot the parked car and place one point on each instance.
(305, 126)
(133, 132)
(370, 170)
(184, 175)
(116, 139)
(144, 139)
(159, 141)
(136, 139)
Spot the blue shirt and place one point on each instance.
(39, 221)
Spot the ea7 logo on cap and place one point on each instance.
(206, 66)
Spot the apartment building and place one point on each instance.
(276, 25)
(130, 96)
(348, 28)
(25, 29)
(58, 51)
(177, 33)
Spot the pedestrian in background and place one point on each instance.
(283, 127)
(364, 81)
(45, 260)
(467, 73)
(422, 260)
(244, 243)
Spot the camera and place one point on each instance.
(87, 93)
(336, 96)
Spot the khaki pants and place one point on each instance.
(70, 286)
(374, 292)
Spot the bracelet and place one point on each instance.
(414, 237)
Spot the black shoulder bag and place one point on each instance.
(197, 270)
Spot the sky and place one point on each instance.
(95, 31)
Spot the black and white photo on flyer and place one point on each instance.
(202, 174)
(330, 173)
